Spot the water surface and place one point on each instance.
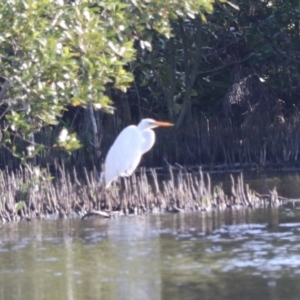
(231, 255)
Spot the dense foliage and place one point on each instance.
(231, 84)
(227, 73)
(59, 53)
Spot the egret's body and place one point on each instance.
(125, 154)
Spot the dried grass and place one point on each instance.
(28, 195)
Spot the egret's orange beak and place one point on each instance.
(165, 124)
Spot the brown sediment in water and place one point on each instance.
(28, 195)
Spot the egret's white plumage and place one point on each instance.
(125, 154)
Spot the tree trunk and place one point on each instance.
(191, 65)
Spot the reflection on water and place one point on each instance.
(230, 255)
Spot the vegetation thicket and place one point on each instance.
(61, 54)
(227, 73)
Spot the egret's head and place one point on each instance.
(150, 123)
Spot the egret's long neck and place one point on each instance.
(148, 140)
(142, 126)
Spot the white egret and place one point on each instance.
(125, 154)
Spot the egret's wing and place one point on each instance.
(124, 155)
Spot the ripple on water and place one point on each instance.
(289, 225)
(254, 246)
(47, 259)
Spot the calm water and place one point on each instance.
(229, 256)
(241, 255)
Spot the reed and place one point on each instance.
(34, 194)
